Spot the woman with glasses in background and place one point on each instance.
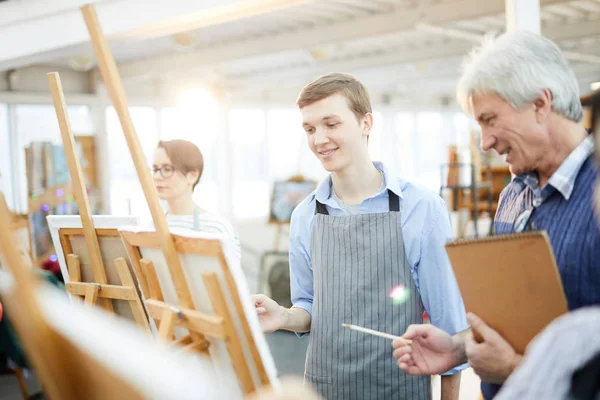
(176, 169)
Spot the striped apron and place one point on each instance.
(357, 260)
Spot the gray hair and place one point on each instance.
(518, 66)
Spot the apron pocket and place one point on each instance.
(317, 379)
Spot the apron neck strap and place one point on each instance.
(394, 204)
(394, 201)
(321, 209)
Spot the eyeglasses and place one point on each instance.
(522, 220)
(166, 171)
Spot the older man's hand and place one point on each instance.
(493, 359)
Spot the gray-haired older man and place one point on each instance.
(525, 97)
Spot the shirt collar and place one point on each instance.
(323, 192)
(564, 177)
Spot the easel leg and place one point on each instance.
(22, 383)
(167, 324)
(234, 346)
(136, 305)
(151, 280)
(91, 294)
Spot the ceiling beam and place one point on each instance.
(218, 15)
(396, 21)
(37, 35)
(29, 37)
(451, 51)
(436, 79)
(13, 12)
(306, 73)
(559, 31)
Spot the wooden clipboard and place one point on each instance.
(511, 282)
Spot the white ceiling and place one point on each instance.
(250, 46)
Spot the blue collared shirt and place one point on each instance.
(425, 228)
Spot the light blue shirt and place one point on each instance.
(425, 228)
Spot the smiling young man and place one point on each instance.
(362, 233)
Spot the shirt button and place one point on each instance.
(537, 202)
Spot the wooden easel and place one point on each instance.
(90, 291)
(64, 370)
(184, 313)
(99, 290)
(19, 223)
(217, 325)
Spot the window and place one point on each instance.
(126, 194)
(38, 123)
(250, 163)
(190, 123)
(376, 138)
(462, 126)
(286, 143)
(429, 149)
(405, 131)
(6, 185)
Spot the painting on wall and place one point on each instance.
(286, 196)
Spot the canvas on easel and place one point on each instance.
(68, 238)
(80, 352)
(223, 318)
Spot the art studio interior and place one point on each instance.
(294, 199)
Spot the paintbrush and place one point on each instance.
(376, 333)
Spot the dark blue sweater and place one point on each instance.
(574, 235)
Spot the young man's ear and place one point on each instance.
(367, 124)
(542, 105)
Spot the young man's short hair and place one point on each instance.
(185, 156)
(334, 83)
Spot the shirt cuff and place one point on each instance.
(456, 370)
(307, 306)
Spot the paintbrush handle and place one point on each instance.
(375, 333)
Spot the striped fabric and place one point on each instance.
(551, 359)
(563, 179)
(206, 222)
(357, 260)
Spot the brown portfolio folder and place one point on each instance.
(511, 282)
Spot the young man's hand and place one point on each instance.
(432, 351)
(270, 314)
